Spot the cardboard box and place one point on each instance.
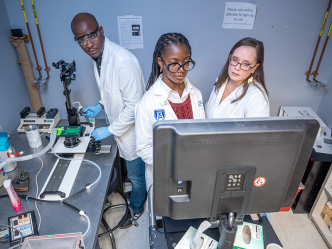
(322, 214)
(327, 220)
(326, 214)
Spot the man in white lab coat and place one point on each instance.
(121, 85)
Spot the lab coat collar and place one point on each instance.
(104, 63)
(162, 90)
(98, 57)
(233, 95)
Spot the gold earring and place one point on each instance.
(161, 69)
(251, 79)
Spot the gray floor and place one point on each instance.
(295, 231)
(133, 237)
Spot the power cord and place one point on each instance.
(21, 239)
(4, 241)
(81, 212)
(123, 218)
(42, 166)
(40, 219)
(4, 235)
(27, 197)
(111, 233)
(87, 186)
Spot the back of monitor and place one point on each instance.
(199, 156)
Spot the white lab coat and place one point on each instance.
(121, 86)
(253, 104)
(154, 105)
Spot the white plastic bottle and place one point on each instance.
(16, 202)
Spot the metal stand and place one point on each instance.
(227, 229)
(66, 76)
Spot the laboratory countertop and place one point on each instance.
(56, 218)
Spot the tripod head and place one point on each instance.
(67, 71)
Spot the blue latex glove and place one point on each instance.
(93, 110)
(101, 133)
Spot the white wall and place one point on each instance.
(289, 30)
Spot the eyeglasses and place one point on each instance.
(244, 65)
(92, 37)
(174, 67)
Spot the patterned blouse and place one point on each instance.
(183, 110)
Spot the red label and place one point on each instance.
(259, 181)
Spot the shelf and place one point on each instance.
(325, 194)
(324, 229)
(328, 191)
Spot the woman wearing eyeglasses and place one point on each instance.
(170, 95)
(240, 90)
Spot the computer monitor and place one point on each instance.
(208, 168)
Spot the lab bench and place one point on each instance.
(56, 217)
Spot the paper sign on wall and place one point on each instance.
(130, 31)
(239, 15)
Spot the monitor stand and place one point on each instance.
(227, 229)
(231, 196)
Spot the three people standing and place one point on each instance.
(239, 92)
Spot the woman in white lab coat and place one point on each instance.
(240, 91)
(170, 95)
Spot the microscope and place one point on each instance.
(66, 76)
(73, 135)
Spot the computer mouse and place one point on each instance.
(246, 234)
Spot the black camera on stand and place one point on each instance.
(66, 76)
